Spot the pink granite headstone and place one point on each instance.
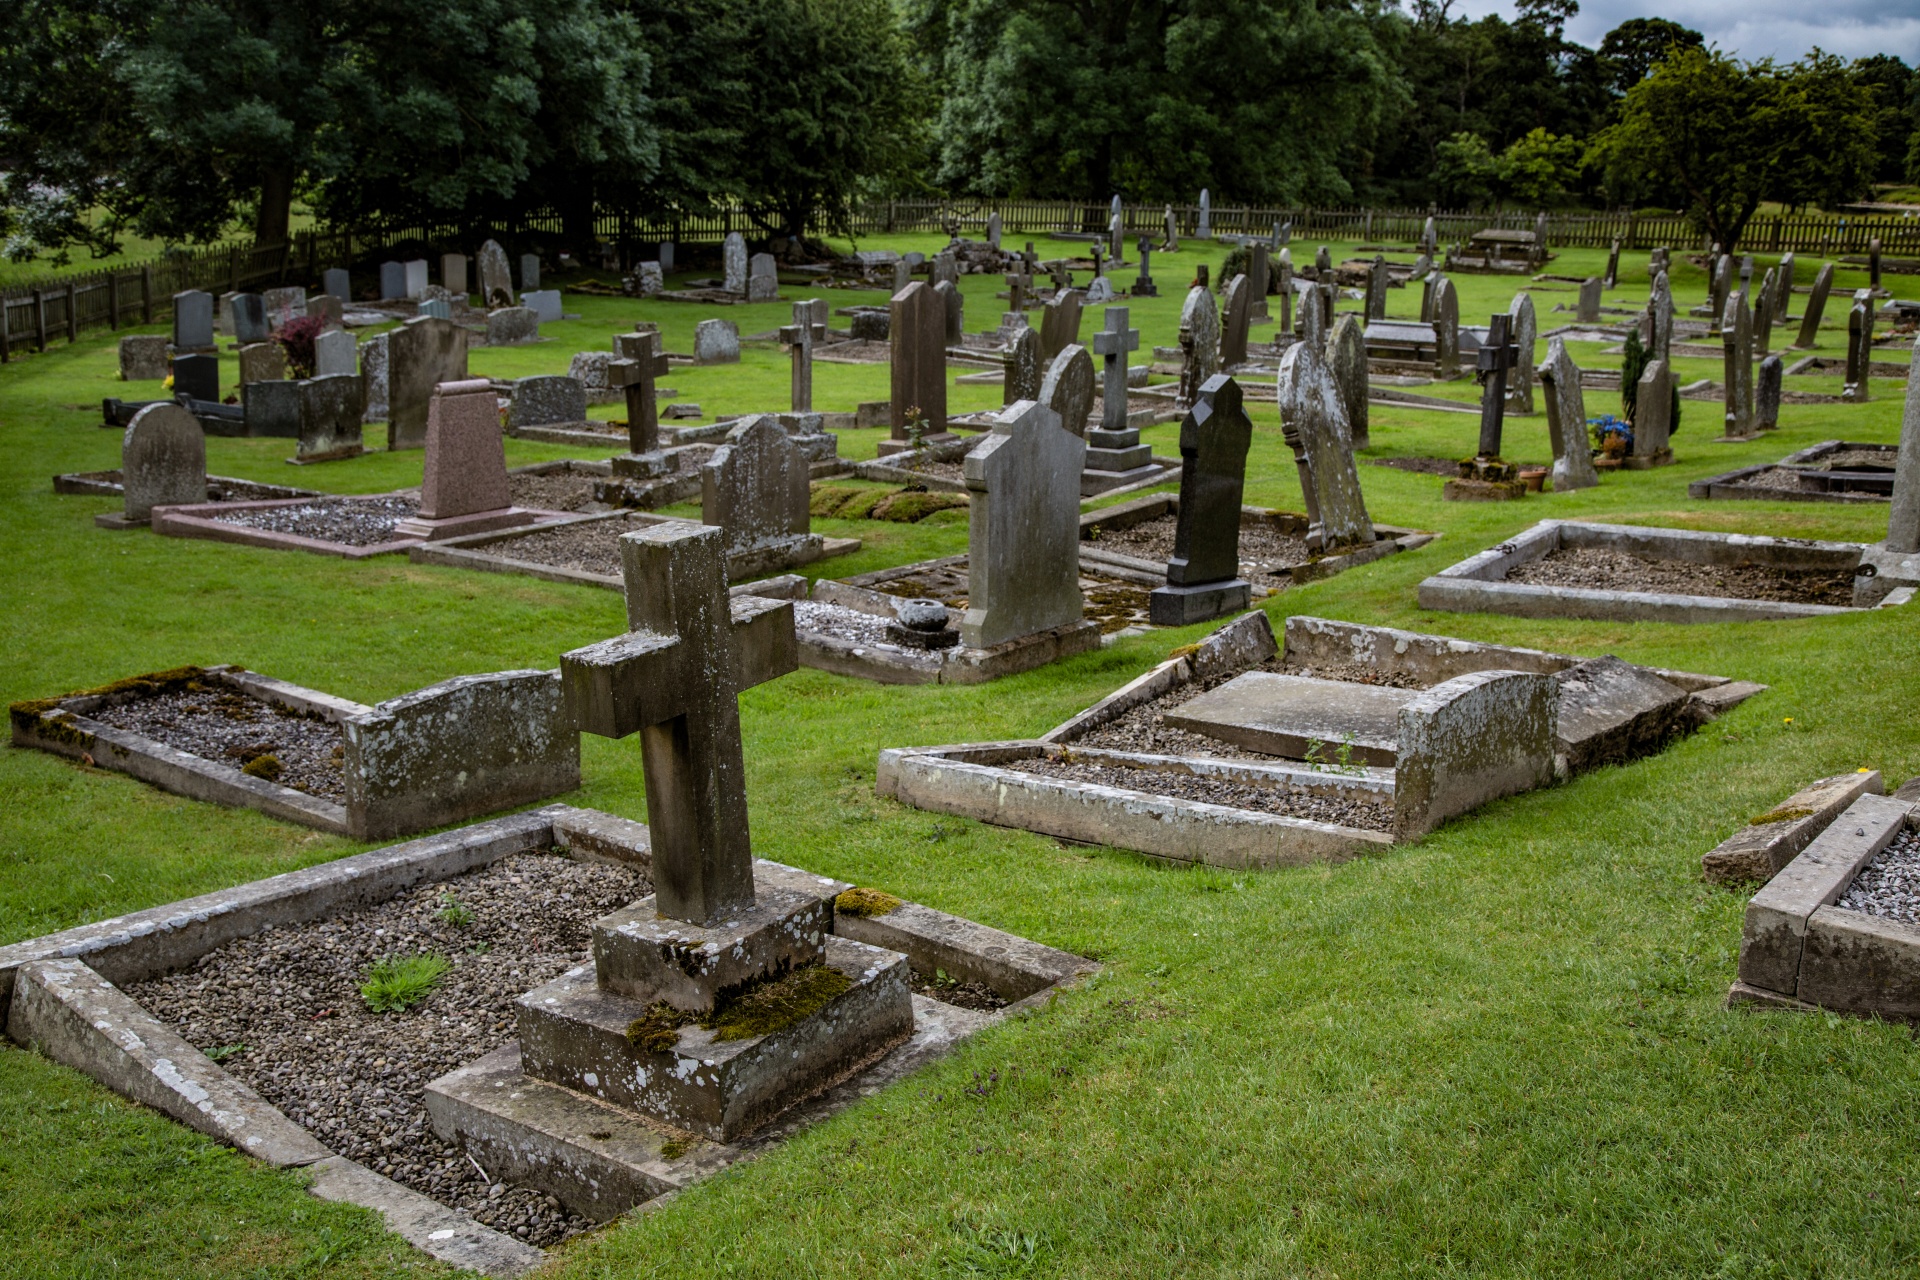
(466, 470)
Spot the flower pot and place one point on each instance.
(1534, 479)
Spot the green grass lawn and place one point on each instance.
(1501, 1052)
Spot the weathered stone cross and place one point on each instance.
(800, 336)
(675, 678)
(1497, 355)
(1111, 344)
(639, 379)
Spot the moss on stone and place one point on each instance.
(658, 1029)
(266, 767)
(149, 685)
(1780, 815)
(865, 903)
(782, 1002)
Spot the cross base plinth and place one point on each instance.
(1138, 455)
(573, 1034)
(1177, 606)
(1092, 482)
(648, 957)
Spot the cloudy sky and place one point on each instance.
(1756, 28)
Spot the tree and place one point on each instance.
(1896, 111)
(1538, 169)
(1631, 49)
(1466, 170)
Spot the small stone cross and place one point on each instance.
(638, 377)
(676, 678)
(800, 337)
(1111, 344)
(1497, 355)
(1018, 283)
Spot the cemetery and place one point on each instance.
(1213, 699)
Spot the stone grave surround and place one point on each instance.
(464, 486)
(1203, 574)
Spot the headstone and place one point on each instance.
(249, 320)
(1234, 319)
(902, 274)
(1526, 332)
(1347, 361)
(335, 352)
(1377, 288)
(1313, 423)
(1203, 574)
(918, 324)
(651, 281)
(1446, 330)
(546, 400)
(763, 281)
(1612, 279)
(1766, 395)
(953, 309)
(1099, 291)
(1116, 237)
(716, 342)
(373, 375)
(1566, 421)
(496, 278)
(439, 308)
(529, 271)
(1859, 347)
(336, 281)
(1763, 314)
(1660, 317)
(637, 373)
(192, 321)
(1736, 339)
(1653, 410)
(1204, 229)
(945, 267)
(1816, 306)
(993, 230)
(1143, 286)
(466, 463)
(1903, 519)
(1873, 263)
(755, 488)
(453, 274)
(1496, 359)
(1657, 261)
(544, 303)
(510, 326)
(1746, 277)
(421, 354)
(1259, 280)
(1021, 380)
(284, 305)
(1283, 288)
(326, 308)
(1589, 306)
(733, 263)
(1067, 389)
(196, 375)
(1060, 323)
(1721, 289)
(1540, 238)
(143, 358)
(665, 256)
(417, 281)
(331, 408)
(1323, 262)
(163, 459)
(1199, 344)
(393, 281)
(1172, 239)
(1783, 288)
(1023, 545)
(271, 408)
(591, 368)
(262, 362)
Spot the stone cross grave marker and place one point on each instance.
(1660, 313)
(1259, 277)
(1766, 395)
(1859, 347)
(1060, 323)
(1377, 288)
(1567, 421)
(1347, 359)
(800, 337)
(755, 488)
(1021, 380)
(1653, 410)
(192, 321)
(1611, 280)
(953, 312)
(163, 460)
(1763, 315)
(919, 361)
(1816, 306)
(1736, 340)
(453, 274)
(529, 272)
(1589, 306)
(1313, 422)
(1023, 531)
(393, 281)
(421, 354)
(1903, 518)
(1199, 344)
(1235, 307)
(338, 283)
(1446, 330)
(1067, 389)
(638, 376)
(1143, 286)
(1019, 285)
(763, 279)
(1498, 355)
(1112, 344)
(1526, 332)
(1203, 574)
(496, 281)
(733, 263)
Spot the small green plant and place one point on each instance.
(400, 982)
(226, 1051)
(454, 912)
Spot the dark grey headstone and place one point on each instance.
(192, 320)
(197, 376)
(272, 408)
(1903, 519)
(1816, 306)
(1022, 377)
(1214, 438)
(1766, 395)
(421, 354)
(250, 318)
(393, 281)
(336, 281)
(546, 401)
(529, 271)
(331, 409)
(496, 278)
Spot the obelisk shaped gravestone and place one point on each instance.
(1203, 574)
(1566, 421)
(1023, 528)
(1314, 424)
(1347, 358)
(1816, 306)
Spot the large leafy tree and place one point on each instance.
(1631, 49)
(1896, 111)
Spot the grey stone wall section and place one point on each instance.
(1469, 740)
(465, 746)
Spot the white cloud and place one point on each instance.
(1781, 29)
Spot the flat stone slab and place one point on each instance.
(1612, 712)
(1760, 850)
(1283, 715)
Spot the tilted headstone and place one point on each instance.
(1199, 343)
(1589, 305)
(1763, 313)
(1203, 574)
(1377, 288)
(326, 308)
(1446, 330)
(331, 408)
(1660, 316)
(1347, 360)
(546, 400)
(417, 281)
(1736, 340)
(1612, 278)
(1859, 348)
(336, 352)
(1766, 395)
(763, 280)
(1783, 288)
(637, 374)
(733, 263)
(755, 488)
(163, 460)
(1203, 230)
(1816, 307)
(1023, 543)
(249, 320)
(421, 354)
(453, 274)
(1067, 389)
(1903, 519)
(393, 281)
(192, 321)
(262, 362)
(529, 271)
(1021, 381)
(953, 312)
(1493, 363)
(1526, 332)
(143, 357)
(1653, 410)
(918, 326)
(716, 342)
(1235, 316)
(1314, 425)
(336, 281)
(510, 326)
(496, 277)
(1566, 420)
(466, 464)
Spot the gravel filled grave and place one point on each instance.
(215, 722)
(1266, 554)
(1607, 570)
(283, 1011)
(351, 522)
(559, 491)
(839, 622)
(1113, 603)
(1889, 885)
(589, 546)
(1345, 811)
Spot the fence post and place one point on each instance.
(6, 342)
(146, 294)
(73, 312)
(233, 269)
(113, 299)
(40, 319)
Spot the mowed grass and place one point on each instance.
(1501, 1052)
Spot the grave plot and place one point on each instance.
(1839, 926)
(1357, 738)
(1831, 471)
(453, 750)
(1626, 573)
(354, 528)
(107, 484)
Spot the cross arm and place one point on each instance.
(622, 685)
(765, 645)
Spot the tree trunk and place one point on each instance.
(576, 217)
(270, 224)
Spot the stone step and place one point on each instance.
(1284, 715)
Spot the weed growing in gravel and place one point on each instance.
(400, 982)
(226, 1051)
(454, 912)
